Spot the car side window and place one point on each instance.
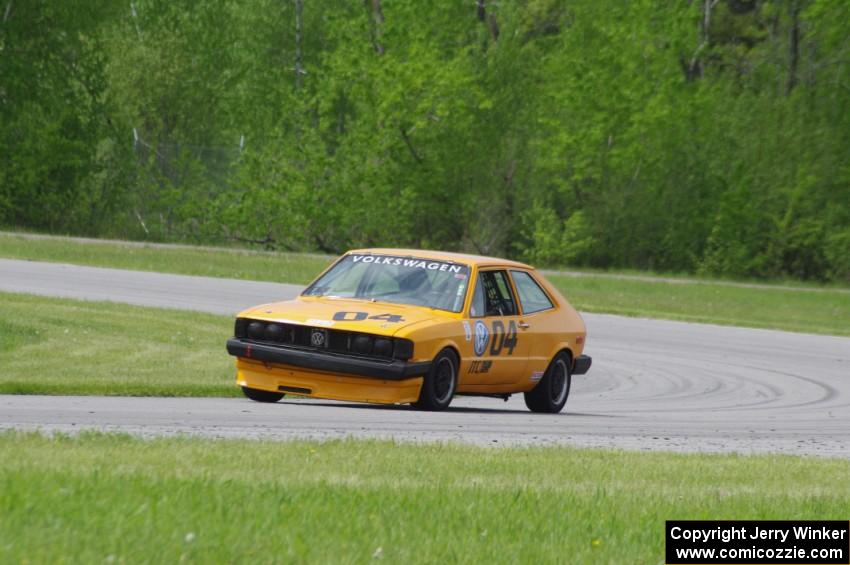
(493, 296)
(531, 296)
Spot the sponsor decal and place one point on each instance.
(536, 376)
(480, 367)
(410, 262)
(315, 322)
(460, 294)
(500, 340)
(467, 330)
(482, 338)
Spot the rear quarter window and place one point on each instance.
(531, 296)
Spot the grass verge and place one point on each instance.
(816, 310)
(59, 346)
(95, 498)
(297, 268)
(820, 312)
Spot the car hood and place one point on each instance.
(380, 318)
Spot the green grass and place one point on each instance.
(58, 346)
(817, 310)
(298, 268)
(821, 312)
(99, 498)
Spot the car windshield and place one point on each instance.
(390, 278)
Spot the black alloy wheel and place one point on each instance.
(551, 393)
(439, 385)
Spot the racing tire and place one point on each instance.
(439, 385)
(550, 394)
(261, 395)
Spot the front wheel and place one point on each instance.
(438, 386)
(261, 395)
(550, 394)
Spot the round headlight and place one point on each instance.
(383, 347)
(362, 344)
(256, 330)
(274, 332)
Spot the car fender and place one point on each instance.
(432, 336)
(562, 346)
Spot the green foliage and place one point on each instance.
(553, 240)
(54, 115)
(590, 133)
(837, 255)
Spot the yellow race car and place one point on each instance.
(399, 326)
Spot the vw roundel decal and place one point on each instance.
(482, 338)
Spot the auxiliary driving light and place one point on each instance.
(383, 347)
(274, 332)
(256, 330)
(362, 344)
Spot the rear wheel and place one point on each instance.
(261, 395)
(550, 394)
(438, 386)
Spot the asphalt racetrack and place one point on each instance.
(654, 385)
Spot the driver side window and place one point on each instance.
(493, 296)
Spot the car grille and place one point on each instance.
(324, 339)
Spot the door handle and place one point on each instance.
(523, 325)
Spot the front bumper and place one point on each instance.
(391, 370)
(315, 384)
(582, 364)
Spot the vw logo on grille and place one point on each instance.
(318, 338)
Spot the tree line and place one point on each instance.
(706, 136)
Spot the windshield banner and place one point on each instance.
(411, 262)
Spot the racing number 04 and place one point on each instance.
(503, 339)
(359, 316)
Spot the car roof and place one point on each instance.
(466, 258)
